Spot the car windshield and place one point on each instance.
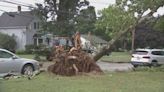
(140, 52)
(4, 54)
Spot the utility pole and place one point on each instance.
(133, 39)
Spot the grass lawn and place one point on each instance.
(117, 57)
(114, 57)
(110, 82)
(29, 56)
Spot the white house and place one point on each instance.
(22, 25)
(92, 42)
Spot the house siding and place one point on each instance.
(21, 26)
(19, 35)
(31, 31)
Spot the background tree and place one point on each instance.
(148, 37)
(113, 20)
(85, 21)
(61, 13)
(159, 25)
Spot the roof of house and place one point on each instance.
(94, 39)
(13, 19)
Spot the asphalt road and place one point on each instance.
(115, 67)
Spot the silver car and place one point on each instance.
(11, 63)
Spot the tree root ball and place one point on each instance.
(74, 63)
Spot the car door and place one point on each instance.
(162, 57)
(159, 56)
(6, 62)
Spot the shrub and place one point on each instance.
(21, 52)
(39, 50)
(7, 42)
(150, 69)
(29, 49)
(42, 50)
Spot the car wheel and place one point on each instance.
(27, 69)
(154, 63)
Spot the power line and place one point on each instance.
(30, 6)
(10, 6)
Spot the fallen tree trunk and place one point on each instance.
(108, 48)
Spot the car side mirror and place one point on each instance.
(14, 57)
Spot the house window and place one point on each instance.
(35, 25)
(48, 41)
(40, 41)
(38, 25)
(4, 54)
(35, 41)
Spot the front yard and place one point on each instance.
(109, 82)
(136, 81)
(117, 57)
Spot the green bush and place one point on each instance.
(41, 50)
(29, 49)
(7, 42)
(20, 52)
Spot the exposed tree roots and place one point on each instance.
(73, 63)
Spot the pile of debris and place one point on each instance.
(74, 62)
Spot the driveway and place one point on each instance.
(105, 66)
(112, 67)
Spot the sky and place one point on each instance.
(99, 5)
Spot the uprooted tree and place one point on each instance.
(116, 21)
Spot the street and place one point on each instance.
(112, 67)
(105, 66)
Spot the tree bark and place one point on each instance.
(108, 48)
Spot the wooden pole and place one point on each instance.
(133, 40)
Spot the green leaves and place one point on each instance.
(61, 13)
(7, 42)
(86, 20)
(140, 6)
(160, 25)
(115, 19)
